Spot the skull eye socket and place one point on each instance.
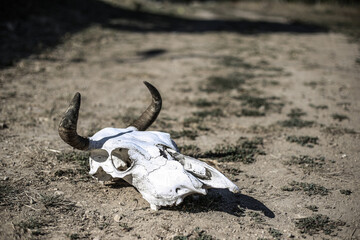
(99, 155)
(120, 159)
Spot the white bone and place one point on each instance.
(150, 161)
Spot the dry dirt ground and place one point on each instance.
(274, 104)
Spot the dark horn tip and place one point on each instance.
(68, 125)
(154, 92)
(76, 99)
(151, 113)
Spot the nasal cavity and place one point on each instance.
(182, 190)
(120, 159)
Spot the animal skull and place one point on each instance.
(148, 160)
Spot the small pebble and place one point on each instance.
(117, 218)
(58, 193)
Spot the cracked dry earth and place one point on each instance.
(218, 88)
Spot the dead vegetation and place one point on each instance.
(306, 162)
(226, 83)
(339, 117)
(295, 120)
(308, 188)
(303, 140)
(197, 234)
(32, 225)
(244, 151)
(317, 223)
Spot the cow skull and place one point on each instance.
(148, 160)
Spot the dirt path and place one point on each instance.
(251, 89)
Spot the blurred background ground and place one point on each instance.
(266, 90)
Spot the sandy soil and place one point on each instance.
(218, 55)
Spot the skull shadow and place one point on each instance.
(224, 201)
(221, 200)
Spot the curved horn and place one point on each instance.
(68, 124)
(151, 113)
